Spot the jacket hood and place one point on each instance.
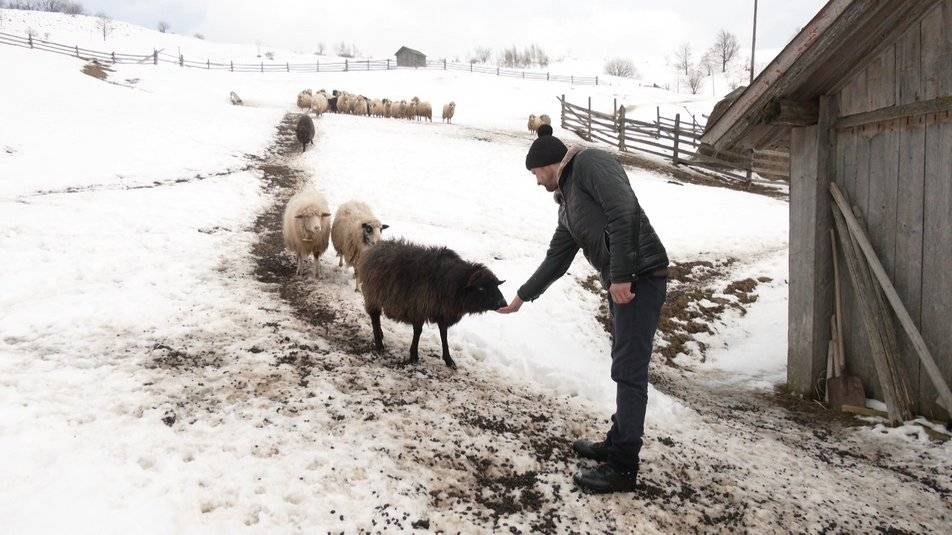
(573, 151)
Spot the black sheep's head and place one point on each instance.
(482, 293)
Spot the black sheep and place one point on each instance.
(305, 131)
(415, 284)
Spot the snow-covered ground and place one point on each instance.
(150, 382)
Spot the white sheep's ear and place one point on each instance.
(384, 227)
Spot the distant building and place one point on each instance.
(407, 57)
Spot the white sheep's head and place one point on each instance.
(312, 223)
(371, 232)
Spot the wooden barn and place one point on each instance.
(862, 97)
(407, 57)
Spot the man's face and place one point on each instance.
(547, 177)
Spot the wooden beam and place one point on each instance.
(786, 112)
(913, 109)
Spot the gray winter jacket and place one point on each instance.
(599, 213)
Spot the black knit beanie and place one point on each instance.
(544, 130)
(545, 150)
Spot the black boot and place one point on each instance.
(605, 478)
(596, 451)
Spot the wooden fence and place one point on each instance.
(673, 139)
(157, 56)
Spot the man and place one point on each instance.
(599, 213)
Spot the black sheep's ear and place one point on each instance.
(384, 227)
(500, 283)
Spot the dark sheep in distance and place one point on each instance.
(415, 284)
(305, 131)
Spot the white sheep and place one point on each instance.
(304, 99)
(534, 123)
(319, 103)
(448, 111)
(360, 106)
(376, 108)
(425, 111)
(355, 230)
(306, 227)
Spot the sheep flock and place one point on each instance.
(319, 102)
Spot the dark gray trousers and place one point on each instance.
(634, 328)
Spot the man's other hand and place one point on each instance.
(621, 293)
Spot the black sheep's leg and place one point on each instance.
(415, 345)
(446, 346)
(378, 332)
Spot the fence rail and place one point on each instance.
(347, 65)
(672, 139)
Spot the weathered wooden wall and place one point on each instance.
(899, 175)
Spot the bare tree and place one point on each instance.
(708, 61)
(695, 77)
(481, 54)
(104, 24)
(621, 67)
(73, 8)
(164, 26)
(726, 47)
(682, 57)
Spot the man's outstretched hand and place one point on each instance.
(621, 293)
(511, 307)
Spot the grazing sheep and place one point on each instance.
(376, 108)
(534, 123)
(319, 103)
(425, 111)
(343, 103)
(545, 119)
(355, 230)
(414, 284)
(448, 111)
(307, 227)
(411, 111)
(235, 99)
(396, 109)
(305, 131)
(304, 99)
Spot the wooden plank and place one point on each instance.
(932, 56)
(908, 256)
(913, 109)
(880, 213)
(861, 363)
(937, 257)
(875, 80)
(908, 83)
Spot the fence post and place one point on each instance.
(621, 128)
(523, 75)
(208, 64)
(562, 100)
(155, 56)
(319, 66)
(287, 65)
(346, 65)
(573, 79)
(113, 58)
(677, 128)
(596, 79)
(589, 118)
(262, 66)
(658, 121)
(388, 64)
(181, 60)
(614, 109)
(30, 39)
(546, 77)
(471, 67)
(444, 64)
(368, 64)
(77, 51)
(231, 66)
(497, 70)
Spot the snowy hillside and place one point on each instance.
(162, 369)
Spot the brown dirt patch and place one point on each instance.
(96, 70)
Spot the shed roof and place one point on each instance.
(408, 49)
(816, 62)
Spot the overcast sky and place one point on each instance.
(592, 29)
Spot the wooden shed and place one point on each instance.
(862, 97)
(408, 57)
